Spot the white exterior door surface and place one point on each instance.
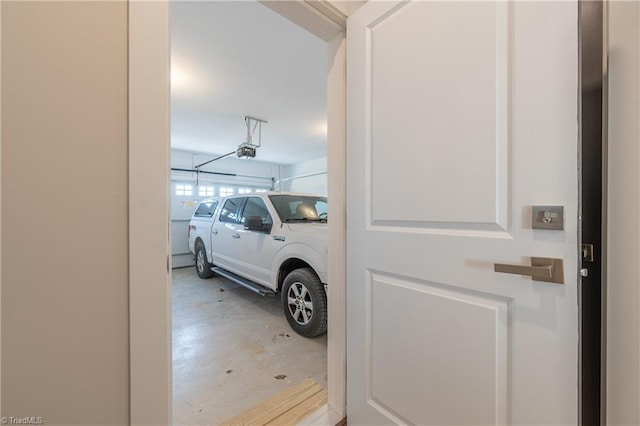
(462, 116)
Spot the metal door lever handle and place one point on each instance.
(533, 271)
(541, 269)
(235, 236)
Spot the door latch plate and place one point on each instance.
(587, 252)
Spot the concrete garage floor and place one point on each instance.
(229, 345)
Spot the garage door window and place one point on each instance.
(184, 190)
(206, 191)
(225, 191)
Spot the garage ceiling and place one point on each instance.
(236, 58)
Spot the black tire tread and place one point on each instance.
(318, 323)
(207, 273)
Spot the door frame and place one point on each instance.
(593, 184)
(149, 182)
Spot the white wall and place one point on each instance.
(65, 302)
(316, 184)
(623, 286)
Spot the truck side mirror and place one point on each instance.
(254, 223)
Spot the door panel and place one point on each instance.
(468, 368)
(432, 45)
(461, 117)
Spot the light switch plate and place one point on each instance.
(547, 217)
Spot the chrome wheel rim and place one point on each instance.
(200, 261)
(300, 303)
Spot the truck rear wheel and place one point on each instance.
(305, 302)
(203, 267)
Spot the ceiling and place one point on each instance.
(235, 58)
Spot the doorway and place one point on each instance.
(233, 348)
(150, 319)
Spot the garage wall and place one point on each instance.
(65, 305)
(250, 174)
(308, 176)
(260, 170)
(623, 294)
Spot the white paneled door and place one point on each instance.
(462, 116)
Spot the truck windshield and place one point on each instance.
(300, 208)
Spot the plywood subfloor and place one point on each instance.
(284, 408)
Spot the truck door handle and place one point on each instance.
(235, 236)
(541, 269)
(214, 231)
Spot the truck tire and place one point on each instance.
(304, 302)
(203, 267)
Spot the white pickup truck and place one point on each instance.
(272, 242)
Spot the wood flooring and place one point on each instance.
(284, 408)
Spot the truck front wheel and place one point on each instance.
(305, 302)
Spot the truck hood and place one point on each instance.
(312, 229)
